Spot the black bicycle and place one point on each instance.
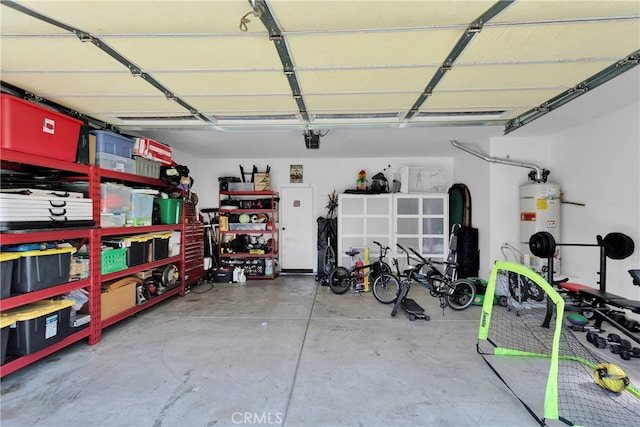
(342, 278)
(455, 293)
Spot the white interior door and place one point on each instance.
(297, 244)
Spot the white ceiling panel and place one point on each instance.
(541, 10)
(345, 15)
(122, 105)
(83, 84)
(226, 83)
(14, 22)
(489, 99)
(360, 102)
(428, 47)
(221, 105)
(146, 16)
(366, 80)
(197, 53)
(313, 64)
(554, 42)
(65, 52)
(548, 75)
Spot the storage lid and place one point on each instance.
(29, 247)
(163, 235)
(8, 256)
(37, 309)
(48, 252)
(7, 320)
(139, 238)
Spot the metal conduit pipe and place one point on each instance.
(539, 177)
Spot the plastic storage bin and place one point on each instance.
(109, 220)
(112, 260)
(116, 163)
(147, 167)
(115, 198)
(170, 210)
(38, 325)
(113, 143)
(240, 186)
(139, 249)
(141, 209)
(6, 272)
(5, 322)
(35, 270)
(160, 246)
(29, 128)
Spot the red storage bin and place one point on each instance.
(29, 128)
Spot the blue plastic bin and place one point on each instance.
(112, 143)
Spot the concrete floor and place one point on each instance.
(284, 352)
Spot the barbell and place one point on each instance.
(616, 245)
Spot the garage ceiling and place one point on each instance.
(153, 66)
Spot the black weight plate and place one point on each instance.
(542, 244)
(618, 245)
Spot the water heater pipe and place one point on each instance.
(538, 178)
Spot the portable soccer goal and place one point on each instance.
(554, 370)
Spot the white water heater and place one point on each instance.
(539, 211)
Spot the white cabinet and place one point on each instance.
(418, 221)
(363, 219)
(421, 222)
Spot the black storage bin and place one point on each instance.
(223, 275)
(160, 247)
(35, 270)
(138, 252)
(38, 325)
(5, 322)
(138, 248)
(7, 259)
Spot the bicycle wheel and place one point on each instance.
(460, 294)
(328, 260)
(339, 280)
(385, 288)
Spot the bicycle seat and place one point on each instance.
(352, 252)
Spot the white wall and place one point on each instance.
(598, 164)
(595, 163)
(475, 173)
(323, 175)
(505, 181)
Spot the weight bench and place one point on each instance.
(601, 302)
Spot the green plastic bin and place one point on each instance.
(170, 210)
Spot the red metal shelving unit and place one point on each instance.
(94, 175)
(272, 212)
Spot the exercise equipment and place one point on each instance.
(611, 377)
(614, 245)
(598, 301)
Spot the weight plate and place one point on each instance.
(618, 245)
(542, 244)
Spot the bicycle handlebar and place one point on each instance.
(383, 249)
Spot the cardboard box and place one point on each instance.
(154, 150)
(262, 182)
(118, 296)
